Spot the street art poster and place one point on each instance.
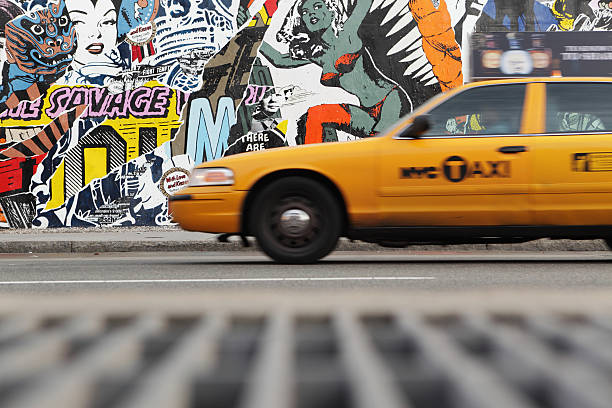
(106, 105)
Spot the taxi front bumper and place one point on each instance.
(218, 212)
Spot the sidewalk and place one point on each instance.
(142, 239)
(124, 239)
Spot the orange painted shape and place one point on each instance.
(346, 59)
(320, 115)
(439, 43)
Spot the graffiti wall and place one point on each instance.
(106, 105)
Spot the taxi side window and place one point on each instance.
(486, 110)
(578, 107)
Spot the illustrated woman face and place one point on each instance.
(316, 15)
(96, 28)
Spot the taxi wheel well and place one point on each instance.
(269, 178)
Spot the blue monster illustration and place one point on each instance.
(39, 48)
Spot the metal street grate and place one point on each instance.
(336, 359)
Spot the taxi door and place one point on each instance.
(573, 156)
(471, 168)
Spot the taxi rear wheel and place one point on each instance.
(296, 220)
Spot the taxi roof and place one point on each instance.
(485, 82)
(525, 80)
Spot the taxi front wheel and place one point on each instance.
(296, 220)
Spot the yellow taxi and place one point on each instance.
(489, 162)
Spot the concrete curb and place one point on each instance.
(92, 246)
(122, 246)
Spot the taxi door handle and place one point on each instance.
(512, 149)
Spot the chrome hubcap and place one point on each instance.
(294, 222)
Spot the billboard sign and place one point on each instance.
(531, 54)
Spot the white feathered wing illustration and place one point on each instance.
(399, 21)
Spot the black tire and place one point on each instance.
(310, 240)
(608, 243)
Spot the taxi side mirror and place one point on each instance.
(419, 126)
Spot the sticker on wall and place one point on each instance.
(142, 35)
(135, 13)
(173, 180)
(141, 40)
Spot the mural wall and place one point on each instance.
(106, 105)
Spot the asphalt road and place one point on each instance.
(435, 271)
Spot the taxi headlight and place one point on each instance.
(214, 176)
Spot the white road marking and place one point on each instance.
(220, 280)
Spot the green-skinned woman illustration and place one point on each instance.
(319, 32)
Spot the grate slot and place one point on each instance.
(472, 384)
(15, 328)
(372, 383)
(569, 382)
(420, 383)
(269, 382)
(40, 350)
(321, 381)
(168, 383)
(114, 322)
(72, 384)
(526, 379)
(224, 384)
(584, 341)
